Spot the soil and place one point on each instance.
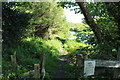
(60, 72)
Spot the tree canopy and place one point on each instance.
(34, 28)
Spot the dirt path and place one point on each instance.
(60, 73)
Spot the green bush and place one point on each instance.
(28, 53)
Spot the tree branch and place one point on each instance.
(90, 21)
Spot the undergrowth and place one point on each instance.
(28, 53)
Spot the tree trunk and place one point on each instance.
(90, 21)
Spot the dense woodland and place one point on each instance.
(34, 28)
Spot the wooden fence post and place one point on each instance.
(76, 65)
(13, 59)
(117, 71)
(37, 71)
(42, 64)
(79, 66)
(14, 64)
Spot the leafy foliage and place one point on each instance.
(107, 19)
(13, 23)
(31, 19)
(31, 29)
(28, 53)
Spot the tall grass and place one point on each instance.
(28, 52)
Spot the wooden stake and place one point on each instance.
(42, 64)
(14, 64)
(13, 59)
(79, 65)
(36, 71)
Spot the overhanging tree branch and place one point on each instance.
(90, 21)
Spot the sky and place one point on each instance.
(72, 17)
